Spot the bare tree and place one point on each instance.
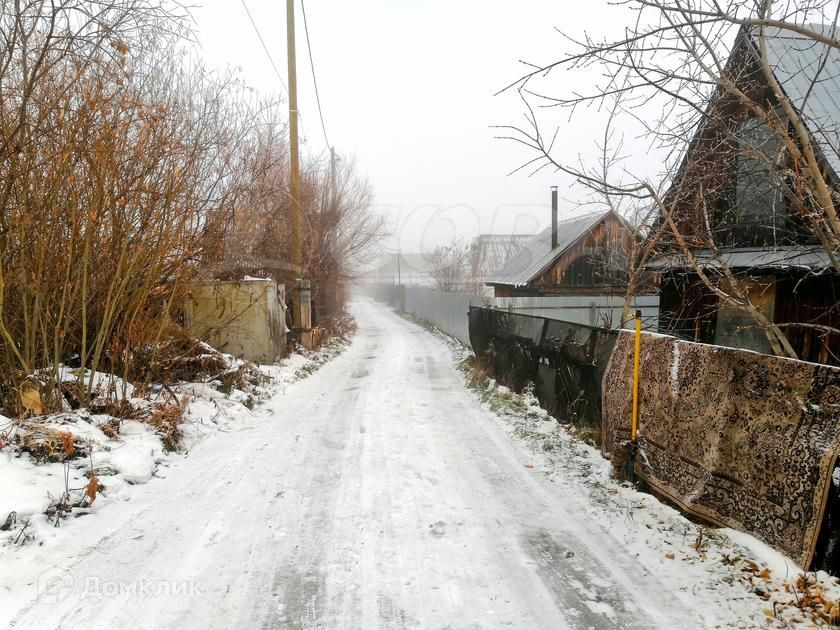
(340, 226)
(342, 230)
(704, 79)
(450, 265)
(115, 152)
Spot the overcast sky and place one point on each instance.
(407, 87)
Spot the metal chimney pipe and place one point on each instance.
(553, 217)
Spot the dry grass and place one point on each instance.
(165, 421)
(179, 357)
(476, 371)
(46, 444)
(588, 434)
(340, 326)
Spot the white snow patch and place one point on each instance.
(108, 386)
(135, 456)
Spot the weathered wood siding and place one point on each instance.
(597, 263)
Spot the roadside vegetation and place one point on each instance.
(128, 170)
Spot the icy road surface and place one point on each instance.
(375, 494)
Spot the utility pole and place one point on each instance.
(399, 275)
(294, 158)
(302, 311)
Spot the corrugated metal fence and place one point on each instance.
(564, 360)
(445, 309)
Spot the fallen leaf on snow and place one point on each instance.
(92, 488)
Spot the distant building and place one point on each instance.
(488, 252)
(404, 268)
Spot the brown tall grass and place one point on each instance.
(113, 152)
(126, 168)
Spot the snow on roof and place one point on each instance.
(537, 255)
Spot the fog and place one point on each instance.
(408, 88)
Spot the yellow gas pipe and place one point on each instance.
(634, 426)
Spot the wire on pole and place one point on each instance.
(265, 48)
(314, 79)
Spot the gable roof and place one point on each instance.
(809, 73)
(537, 256)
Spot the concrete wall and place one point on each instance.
(244, 318)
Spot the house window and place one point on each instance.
(760, 203)
(753, 209)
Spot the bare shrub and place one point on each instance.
(450, 266)
(166, 421)
(340, 226)
(114, 151)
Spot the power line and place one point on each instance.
(265, 48)
(273, 65)
(314, 80)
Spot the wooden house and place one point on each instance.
(583, 255)
(733, 201)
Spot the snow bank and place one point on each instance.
(135, 454)
(104, 385)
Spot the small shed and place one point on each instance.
(245, 318)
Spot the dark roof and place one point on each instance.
(809, 73)
(811, 258)
(537, 256)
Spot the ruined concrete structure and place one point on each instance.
(245, 318)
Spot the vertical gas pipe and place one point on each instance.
(634, 426)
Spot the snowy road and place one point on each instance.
(375, 494)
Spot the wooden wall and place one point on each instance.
(595, 264)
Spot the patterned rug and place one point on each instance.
(739, 439)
